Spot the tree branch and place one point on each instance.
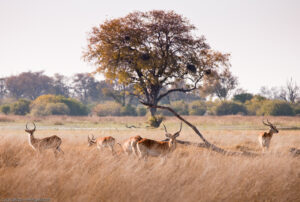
(179, 90)
(207, 144)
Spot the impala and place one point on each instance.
(52, 142)
(148, 147)
(265, 138)
(129, 146)
(102, 142)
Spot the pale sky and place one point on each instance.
(262, 36)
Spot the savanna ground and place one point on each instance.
(189, 174)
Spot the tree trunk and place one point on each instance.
(153, 111)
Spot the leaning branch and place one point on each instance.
(207, 144)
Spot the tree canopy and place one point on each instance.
(151, 51)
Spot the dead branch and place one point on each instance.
(207, 144)
(132, 126)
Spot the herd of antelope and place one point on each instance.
(140, 147)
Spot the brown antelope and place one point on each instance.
(129, 146)
(52, 142)
(265, 138)
(148, 147)
(102, 142)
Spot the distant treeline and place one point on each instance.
(80, 95)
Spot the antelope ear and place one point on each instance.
(168, 135)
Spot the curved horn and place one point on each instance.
(34, 126)
(180, 128)
(26, 126)
(165, 128)
(265, 123)
(269, 122)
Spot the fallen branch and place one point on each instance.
(132, 126)
(207, 144)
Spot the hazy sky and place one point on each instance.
(263, 36)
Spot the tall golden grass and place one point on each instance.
(189, 173)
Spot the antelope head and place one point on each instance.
(30, 131)
(273, 128)
(172, 138)
(91, 141)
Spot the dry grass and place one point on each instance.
(189, 174)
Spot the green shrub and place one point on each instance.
(128, 110)
(108, 109)
(38, 110)
(276, 108)
(57, 109)
(227, 108)
(197, 108)
(141, 111)
(211, 107)
(179, 106)
(21, 107)
(5, 109)
(75, 108)
(296, 109)
(155, 121)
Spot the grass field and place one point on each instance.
(189, 173)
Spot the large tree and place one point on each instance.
(151, 51)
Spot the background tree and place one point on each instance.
(120, 93)
(221, 85)
(3, 90)
(28, 85)
(272, 93)
(242, 97)
(152, 50)
(290, 92)
(85, 87)
(60, 86)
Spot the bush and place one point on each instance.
(141, 111)
(155, 121)
(197, 108)
(179, 106)
(276, 108)
(75, 108)
(108, 109)
(228, 108)
(128, 110)
(5, 109)
(38, 110)
(296, 109)
(57, 109)
(21, 107)
(254, 105)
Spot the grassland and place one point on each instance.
(189, 174)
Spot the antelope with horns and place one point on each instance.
(52, 142)
(148, 147)
(102, 142)
(129, 146)
(265, 138)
